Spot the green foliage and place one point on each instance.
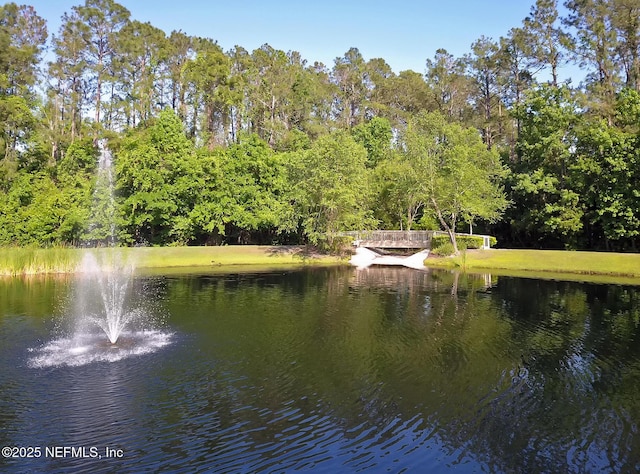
(627, 110)
(464, 241)
(335, 244)
(461, 179)
(546, 206)
(81, 157)
(264, 146)
(428, 221)
(158, 180)
(444, 250)
(36, 211)
(256, 186)
(331, 190)
(399, 194)
(605, 175)
(375, 135)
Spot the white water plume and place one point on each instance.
(103, 293)
(103, 303)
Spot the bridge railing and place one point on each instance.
(391, 235)
(422, 238)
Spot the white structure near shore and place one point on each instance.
(365, 257)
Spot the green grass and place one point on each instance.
(33, 261)
(164, 257)
(29, 261)
(545, 261)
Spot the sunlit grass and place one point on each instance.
(32, 261)
(164, 257)
(556, 261)
(28, 261)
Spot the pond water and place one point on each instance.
(331, 370)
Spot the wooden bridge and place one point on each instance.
(400, 239)
(392, 239)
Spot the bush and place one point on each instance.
(443, 250)
(464, 241)
(338, 245)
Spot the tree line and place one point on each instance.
(216, 146)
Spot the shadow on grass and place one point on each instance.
(303, 252)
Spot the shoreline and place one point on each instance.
(17, 261)
(597, 267)
(557, 264)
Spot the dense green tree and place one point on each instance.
(257, 190)
(546, 208)
(157, 183)
(399, 195)
(606, 170)
(331, 186)
(460, 178)
(375, 135)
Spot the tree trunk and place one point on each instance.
(451, 230)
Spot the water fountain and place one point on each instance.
(103, 292)
(104, 300)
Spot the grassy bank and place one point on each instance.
(544, 261)
(33, 261)
(30, 261)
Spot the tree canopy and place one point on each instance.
(265, 146)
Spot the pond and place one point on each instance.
(330, 370)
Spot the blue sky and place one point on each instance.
(403, 32)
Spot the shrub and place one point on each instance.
(470, 241)
(340, 245)
(443, 250)
(464, 241)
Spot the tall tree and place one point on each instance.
(350, 75)
(625, 19)
(484, 70)
(594, 46)
(179, 49)
(103, 20)
(404, 95)
(546, 209)
(450, 86)
(375, 135)
(69, 87)
(137, 72)
(516, 77)
(256, 190)
(209, 75)
(546, 37)
(604, 173)
(158, 182)
(22, 38)
(274, 74)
